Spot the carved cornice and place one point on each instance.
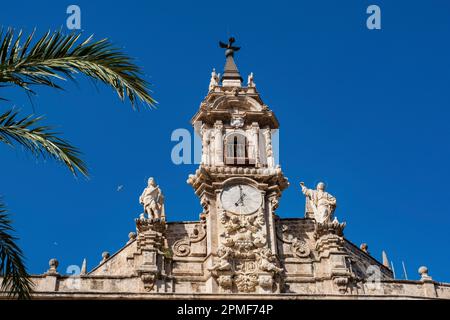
(329, 228)
(220, 105)
(205, 176)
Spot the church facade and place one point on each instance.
(239, 248)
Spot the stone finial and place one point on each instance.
(105, 256)
(131, 237)
(53, 264)
(84, 267)
(423, 271)
(364, 247)
(385, 260)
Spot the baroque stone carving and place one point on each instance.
(182, 247)
(237, 121)
(246, 281)
(225, 281)
(243, 232)
(143, 225)
(149, 259)
(298, 247)
(329, 228)
(243, 257)
(149, 281)
(341, 283)
(267, 261)
(224, 254)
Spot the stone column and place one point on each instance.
(332, 256)
(212, 233)
(270, 205)
(269, 151)
(212, 147)
(149, 260)
(255, 143)
(205, 144)
(218, 137)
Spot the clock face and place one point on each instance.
(241, 199)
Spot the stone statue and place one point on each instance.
(322, 203)
(250, 82)
(214, 80)
(152, 200)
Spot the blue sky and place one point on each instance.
(365, 111)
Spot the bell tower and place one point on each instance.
(238, 184)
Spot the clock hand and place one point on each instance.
(241, 199)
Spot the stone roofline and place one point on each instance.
(376, 261)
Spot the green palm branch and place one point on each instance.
(39, 140)
(56, 56)
(47, 61)
(12, 268)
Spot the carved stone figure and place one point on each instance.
(269, 150)
(246, 282)
(250, 82)
(152, 200)
(206, 138)
(267, 261)
(237, 122)
(322, 203)
(224, 255)
(214, 80)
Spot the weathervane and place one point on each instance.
(230, 48)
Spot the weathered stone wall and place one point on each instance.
(62, 287)
(308, 272)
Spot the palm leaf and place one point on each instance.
(56, 56)
(40, 140)
(15, 279)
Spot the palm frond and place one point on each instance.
(15, 279)
(56, 56)
(40, 140)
